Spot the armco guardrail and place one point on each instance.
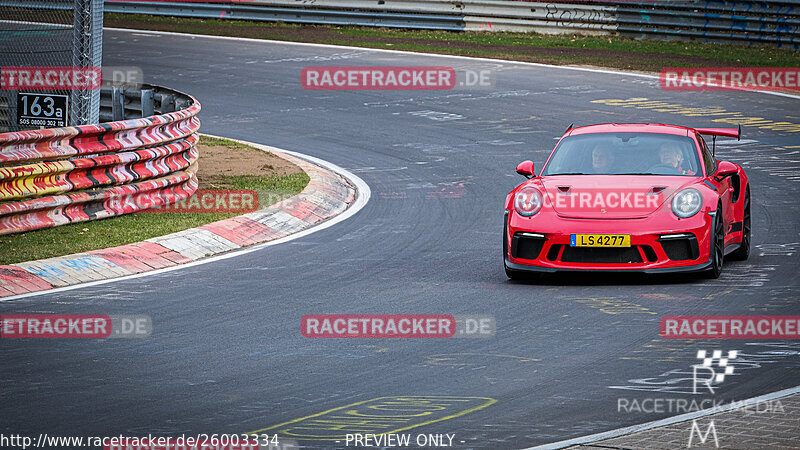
(56, 176)
(774, 22)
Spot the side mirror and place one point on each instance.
(725, 168)
(525, 168)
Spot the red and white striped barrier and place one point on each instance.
(327, 195)
(56, 176)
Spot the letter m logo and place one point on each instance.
(712, 430)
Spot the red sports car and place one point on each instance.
(629, 197)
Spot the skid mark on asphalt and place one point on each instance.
(779, 299)
(439, 149)
(380, 415)
(378, 169)
(613, 305)
(440, 100)
(474, 359)
(394, 195)
(438, 116)
(501, 94)
(744, 275)
(774, 160)
(675, 296)
(318, 58)
(658, 350)
(580, 89)
(457, 191)
(374, 230)
(778, 249)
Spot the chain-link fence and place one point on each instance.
(50, 57)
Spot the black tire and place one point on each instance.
(717, 247)
(743, 252)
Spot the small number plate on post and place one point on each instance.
(600, 240)
(42, 110)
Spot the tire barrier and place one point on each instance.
(57, 176)
(328, 194)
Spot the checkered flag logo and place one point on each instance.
(722, 363)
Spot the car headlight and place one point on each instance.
(687, 203)
(527, 201)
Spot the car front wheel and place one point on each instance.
(743, 252)
(717, 247)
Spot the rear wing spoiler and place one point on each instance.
(729, 132)
(714, 132)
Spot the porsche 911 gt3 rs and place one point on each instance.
(629, 197)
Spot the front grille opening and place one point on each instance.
(649, 253)
(526, 247)
(552, 254)
(683, 249)
(601, 255)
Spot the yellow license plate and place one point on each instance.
(600, 240)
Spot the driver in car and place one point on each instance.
(671, 156)
(602, 158)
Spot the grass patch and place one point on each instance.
(121, 230)
(606, 51)
(213, 141)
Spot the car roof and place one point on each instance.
(630, 128)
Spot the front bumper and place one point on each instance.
(659, 244)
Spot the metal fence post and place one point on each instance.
(87, 52)
(118, 104)
(148, 105)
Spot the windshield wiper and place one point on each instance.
(567, 173)
(638, 173)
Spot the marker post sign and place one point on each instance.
(42, 110)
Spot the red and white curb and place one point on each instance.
(333, 194)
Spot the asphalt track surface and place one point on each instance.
(227, 356)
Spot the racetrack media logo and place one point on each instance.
(401, 78)
(715, 368)
(708, 367)
(730, 78)
(710, 430)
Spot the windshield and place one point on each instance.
(624, 154)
